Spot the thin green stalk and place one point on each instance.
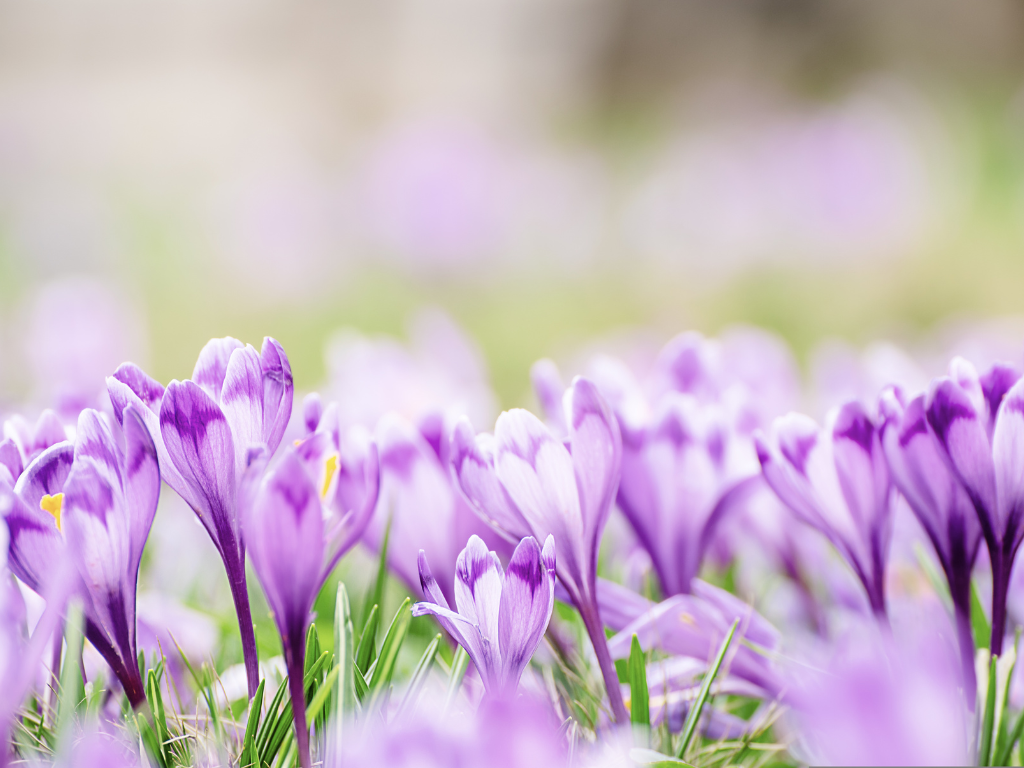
(698, 705)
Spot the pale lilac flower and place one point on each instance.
(423, 508)
(836, 480)
(925, 479)
(979, 426)
(500, 616)
(524, 481)
(884, 700)
(205, 429)
(23, 441)
(284, 528)
(502, 733)
(94, 504)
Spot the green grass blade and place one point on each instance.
(459, 665)
(321, 696)
(389, 650)
(268, 726)
(248, 756)
(159, 715)
(693, 718)
(72, 686)
(639, 698)
(375, 596)
(419, 676)
(344, 658)
(362, 689)
(979, 622)
(988, 721)
(312, 647)
(367, 650)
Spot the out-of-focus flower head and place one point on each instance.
(836, 480)
(501, 733)
(885, 700)
(440, 371)
(421, 505)
(77, 330)
(500, 616)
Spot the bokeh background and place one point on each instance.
(546, 171)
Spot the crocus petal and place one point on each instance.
(129, 380)
(860, 466)
(548, 387)
(284, 534)
(141, 482)
(212, 365)
(527, 599)
(35, 543)
(312, 410)
(356, 488)
(241, 400)
(10, 457)
(97, 531)
(200, 446)
(278, 391)
(961, 432)
(1008, 458)
(445, 615)
(472, 463)
(478, 580)
(596, 456)
(995, 383)
(537, 473)
(46, 475)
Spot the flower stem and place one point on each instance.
(240, 594)
(295, 661)
(592, 621)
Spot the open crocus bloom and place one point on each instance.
(205, 429)
(836, 480)
(501, 616)
(93, 502)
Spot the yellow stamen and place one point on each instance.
(52, 504)
(330, 467)
(296, 443)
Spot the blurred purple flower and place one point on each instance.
(836, 480)
(93, 503)
(77, 330)
(938, 500)
(695, 626)
(884, 700)
(979, 426)
(425, 510)
(525, 482)
(205, 428)
(501, 733)
(501, 615)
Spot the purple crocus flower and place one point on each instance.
(284, 528)
(93, 503)
(205, 429)
(836, 480)
(938, 500)
(501, 616)
(979, 426)
(525, 481)
(426, 512)
(682, 474)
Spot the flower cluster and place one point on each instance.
(666, 565)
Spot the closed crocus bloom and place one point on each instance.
(836, 480)
(979, 426)
(682, 474)
(938, 500)
(93, 502)
(500, 617)
(205, 428)
(284, 528)
(526, 482)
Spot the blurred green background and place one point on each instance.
(280, 168)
